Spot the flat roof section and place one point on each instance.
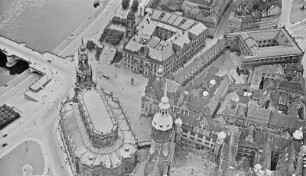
(187, 24)
(166, 17)
(39, 84)
(156, 14)
(172, 19)
(97, 111)
(178, 21)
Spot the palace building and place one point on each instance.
(162, 38)
(255, 15)
(94, 130)
(209, 12)
(265, 47)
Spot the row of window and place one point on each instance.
(211, 145)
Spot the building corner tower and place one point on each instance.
(162, 124)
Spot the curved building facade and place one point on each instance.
(104, 146)
(102, 127)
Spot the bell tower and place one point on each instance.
(162, 124)
(83, 70)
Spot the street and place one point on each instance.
(222, 27)
(94, 29)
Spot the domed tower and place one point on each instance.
(84, 70)
(220, 139)
(162, 127)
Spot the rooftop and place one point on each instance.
(283, 121)
(157, 48)
(97, 111)
(291, 86)
(285, 44)
(254, 111)
(109, 156)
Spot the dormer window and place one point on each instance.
(160, 126)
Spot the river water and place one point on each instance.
(42, 24)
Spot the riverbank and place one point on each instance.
(80, 29)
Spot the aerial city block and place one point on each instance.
(152, 88)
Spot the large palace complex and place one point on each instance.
(162, 38)
(206, 85)
(250, 118)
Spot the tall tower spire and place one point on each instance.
(164, 103)
(162, 126)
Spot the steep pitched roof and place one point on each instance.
(283, 121)
(291, 86)
(258, 113)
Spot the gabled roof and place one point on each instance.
(291, 86)
(287, 45)
(283, 121)
(156, 87)
(190, 118)
(254, 111)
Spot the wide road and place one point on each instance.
(39, 122)
(38, 118)
(95, 28)
(222, 27)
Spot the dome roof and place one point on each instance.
(164, 100)
(221, 135)
(178, 122)
(205, 93)
(258, 167)
(160, 71)
(298, 134)
(162, 122)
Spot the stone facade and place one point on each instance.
(246, 18)
(159, 42)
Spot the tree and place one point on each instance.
(125, 4)
(90, 45)
(135, 5)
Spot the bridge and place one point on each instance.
(38, 62)
(144, 144)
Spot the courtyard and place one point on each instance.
(189, 161)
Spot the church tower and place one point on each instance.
(131, 24)
(162, 127)
(84, 70)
